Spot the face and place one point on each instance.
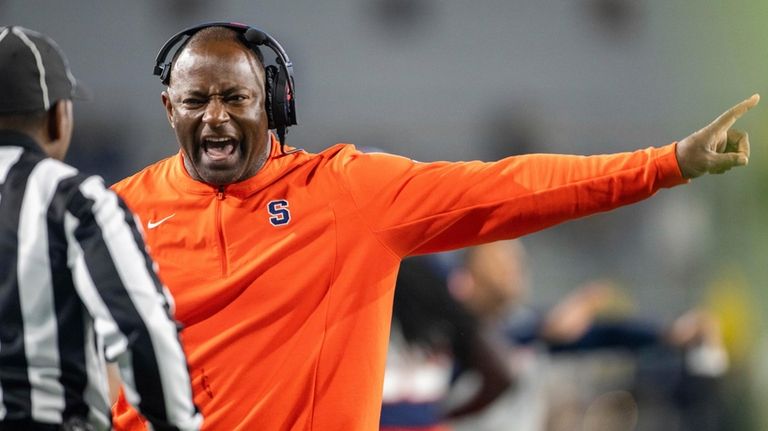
(215, 103)
(499, 275)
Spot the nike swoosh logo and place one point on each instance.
(152, 225)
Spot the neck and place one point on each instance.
(262, 159)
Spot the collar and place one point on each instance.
(13, 138)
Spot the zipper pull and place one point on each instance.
(220, 193)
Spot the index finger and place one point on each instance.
(727, 118)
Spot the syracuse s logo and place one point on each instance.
(278, 210)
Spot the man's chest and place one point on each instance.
(221, 251)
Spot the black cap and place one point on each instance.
(34, 73)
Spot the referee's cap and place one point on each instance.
(34, 72)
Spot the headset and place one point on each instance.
(279, 86)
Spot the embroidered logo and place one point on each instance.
(154, 224)
(278, 209)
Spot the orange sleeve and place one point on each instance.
(125, 418)
(429, 207)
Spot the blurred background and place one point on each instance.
(460, 80)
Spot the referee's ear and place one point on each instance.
(60, 122)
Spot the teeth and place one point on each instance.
(218, 139)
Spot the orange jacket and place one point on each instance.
(284, 282)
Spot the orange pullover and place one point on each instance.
(284, 281)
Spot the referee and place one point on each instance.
(77, 287)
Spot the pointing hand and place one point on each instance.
(716, 148)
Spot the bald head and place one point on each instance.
(203, 39)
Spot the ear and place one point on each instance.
(166, 98)
(58, 130)
(60, 121)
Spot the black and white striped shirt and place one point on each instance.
(78, 288)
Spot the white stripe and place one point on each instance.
(36, 291)
(109, 338)
(58, 50)
(121, 245)
(139, 284)
(40, 66)
(96, 392)
(3, 33)
(8, 157)
(104, 326)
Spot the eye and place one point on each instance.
(193, 102)
(236, 98)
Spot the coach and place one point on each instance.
(283, 263)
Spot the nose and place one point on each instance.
(215, 113)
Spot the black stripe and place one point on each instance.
(70, 311)
(13, 362)
(107, 280)
(27, 425)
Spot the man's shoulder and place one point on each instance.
(56, 176)
(343, 153)
(57, 167)
(333, 152)
(344, 156)
(330, 159)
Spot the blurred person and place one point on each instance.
(494, 283)
(283, 262)
(76, 284)
(432, 337)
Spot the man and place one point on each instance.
(433, 339)
(76, 284)
(282, 263)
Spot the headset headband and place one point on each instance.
(251, 34)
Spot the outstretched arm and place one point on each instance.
(717, 147)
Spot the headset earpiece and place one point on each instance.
(279, 108)
(270, 73)
(289, 100)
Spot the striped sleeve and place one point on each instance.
(116, 280)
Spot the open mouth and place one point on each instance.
(219, 149)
